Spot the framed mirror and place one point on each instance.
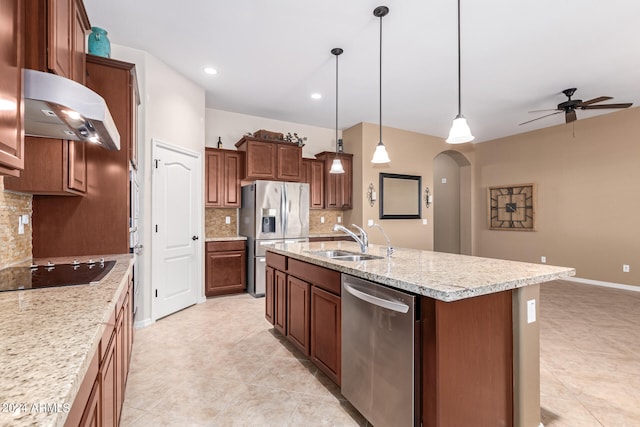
(400, 196)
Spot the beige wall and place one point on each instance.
(446, 212)
(412, 154)
(588, 178)
(14, 247)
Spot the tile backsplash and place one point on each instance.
(330, 218)
(215, 222)
(14, 247)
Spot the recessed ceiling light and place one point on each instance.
(316, 96)
(210, 70)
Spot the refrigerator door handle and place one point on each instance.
(285, 211)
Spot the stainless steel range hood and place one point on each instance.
(57, 107)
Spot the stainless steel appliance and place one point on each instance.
(380, 367)
(272, 212)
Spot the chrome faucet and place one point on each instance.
(363, 240)
(389, 248)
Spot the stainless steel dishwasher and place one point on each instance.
(380, 367)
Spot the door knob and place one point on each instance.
(195, 238)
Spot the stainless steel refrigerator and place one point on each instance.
(272, 212)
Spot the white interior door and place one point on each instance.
(177, 205)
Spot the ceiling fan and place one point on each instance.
(570, 106)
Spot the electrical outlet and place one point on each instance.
(25, 219)
(339, 219)
(543, 259)
(20, 225)
(227, 220)
(321, 220)
(370, 222)
(424, 221)
(531, 311)
(625, 268)
(444, 180)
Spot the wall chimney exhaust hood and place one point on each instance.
(57, 107)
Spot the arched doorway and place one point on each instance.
(452, 203)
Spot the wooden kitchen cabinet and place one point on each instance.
(306, 309)
(338, 188)
(313, 174)
(11, 63)
(97, 223)
(280, 302)
(298, 316)
(271, 160)
(226, 268)
(269, 301)
(91, 416)
(55, 37)
(326, 345)
(224, 170)
(52, 167)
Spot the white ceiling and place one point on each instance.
(272, 54)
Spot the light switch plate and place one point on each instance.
(321, 220)
(444, 180)
(370, 222)
(339, 219)
(531, 311)
(25, 218)
(424, 221)
(20, 226)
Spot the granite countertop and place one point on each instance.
(443, 276)
(49, 337)
(224, 239)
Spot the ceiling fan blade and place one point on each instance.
(540, 111)
(605, 106)
(529, 121)
(594, 100)
(570, 116)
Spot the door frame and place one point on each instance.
(156, 144)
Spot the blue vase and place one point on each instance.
(99, 43)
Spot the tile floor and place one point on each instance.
(220, 364)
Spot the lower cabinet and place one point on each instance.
(101, 393)
(303, 303)
(226, 270)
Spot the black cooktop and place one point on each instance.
(53, 275)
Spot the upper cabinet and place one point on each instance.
(55, 37)
(338, 188)
(11, 129)
(313, 174)
(271, 160)
(224, 170)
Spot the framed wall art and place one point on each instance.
(512, 207)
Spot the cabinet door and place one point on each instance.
(108, 386)
(298, 300)
(119, 371)
(280, 302)
(11, 135)
(213, 162)
(325, 332)
(77, 166)
(232, 176)
(79, 34)
(346, 186)
(269, 295)
(289, 162)
(91, 415)
(225, 273)
(60, 37)
(316, 184)
(261, 160)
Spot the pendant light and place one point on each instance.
(460, 131)
(380, 155)
(336, 165)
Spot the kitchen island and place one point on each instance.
(478, 335)
(52, 339)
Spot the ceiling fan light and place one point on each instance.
(336, 166)
(380, 155)
(460, 131)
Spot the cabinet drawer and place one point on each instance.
(277, 261)
(230, 245)
(324, 278)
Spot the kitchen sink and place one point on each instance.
(344, 255)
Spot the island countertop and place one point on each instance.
(49, 337)
(443, 276)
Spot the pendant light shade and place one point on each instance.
(380, 155)
(460, 131)
(336, 165)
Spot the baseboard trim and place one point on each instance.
(143, 323)
(604, 284)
